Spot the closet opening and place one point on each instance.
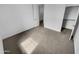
(70, 19)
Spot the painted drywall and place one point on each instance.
(15, 19)
(41, 11)
(36, 14)
(1, 47)
(53, 16)
(70, 5)
(76, 39)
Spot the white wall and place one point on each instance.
(76, 38)
(36, 14)
(53, 16)
(15, 19)
(69, 5)
(1, 47)
(41, 11)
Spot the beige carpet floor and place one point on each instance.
(49, 41)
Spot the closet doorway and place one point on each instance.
(70, 19)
